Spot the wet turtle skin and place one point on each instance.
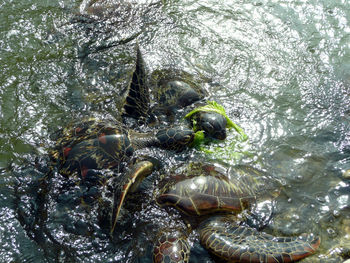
(203, 191)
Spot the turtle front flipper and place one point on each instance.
(245, 244)
(137, 102)
(171, 247)
(130, 181)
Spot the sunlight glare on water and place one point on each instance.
(280, 69)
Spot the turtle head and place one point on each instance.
(175, 138)
(185, 95)
(212, 123)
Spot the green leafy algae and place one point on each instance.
(233, 149)
(213, 106)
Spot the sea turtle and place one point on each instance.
(175, 93)
(201, 191)
(87, 148)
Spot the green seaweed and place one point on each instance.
(233, 149)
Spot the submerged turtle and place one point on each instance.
(200, 192)
(173, 92)
(101, 144)
(177, 95)
(87, 148)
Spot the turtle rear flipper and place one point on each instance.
(137, 102)
(245, 244)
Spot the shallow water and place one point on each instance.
(280, 68)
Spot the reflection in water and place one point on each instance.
(280, 68)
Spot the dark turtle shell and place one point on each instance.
(172, 247)
(175, 95)
(203, 189)
(174, 90)
(92, 145)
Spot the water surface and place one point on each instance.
(280, 68)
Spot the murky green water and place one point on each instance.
(280, 68)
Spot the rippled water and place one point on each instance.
(280, 68)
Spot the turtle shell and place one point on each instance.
(174, 90)
(92, 145)
(204, 189)
(178, 94)
(88, 147)
(234, 243)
